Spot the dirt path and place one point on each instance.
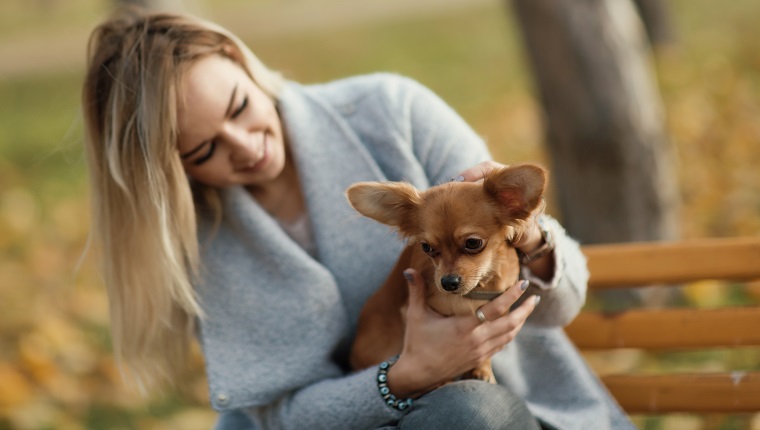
(65, 51)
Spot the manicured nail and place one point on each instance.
(536, 300)
(524, 285)
(408, 275)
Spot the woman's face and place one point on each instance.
(229, 130)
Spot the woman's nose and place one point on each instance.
(241, 142)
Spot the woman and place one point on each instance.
(218, 209)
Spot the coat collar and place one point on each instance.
(330, 157)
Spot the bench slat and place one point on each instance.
(652, 263)
(632, 264)
(667, 329)
(719, 392)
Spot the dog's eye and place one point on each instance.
(473, 244)
(426, 248)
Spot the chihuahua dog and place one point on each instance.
(459, 238)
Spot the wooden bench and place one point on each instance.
(672, 264)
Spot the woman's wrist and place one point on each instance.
(536, 250)
(531, 241)
(538, 243)
(404, 381)
(399, 402)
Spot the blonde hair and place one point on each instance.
(143, 207)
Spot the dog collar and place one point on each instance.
(475, 294)
(482, 295)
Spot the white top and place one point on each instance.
(300, 231)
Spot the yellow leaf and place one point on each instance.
(15, 389)
(36, 356)
(19, 209)
(706, 294)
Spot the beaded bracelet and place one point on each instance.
(385, 392)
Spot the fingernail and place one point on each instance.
(408, 275)
(536, 300)
(524, 285)
(459, 178)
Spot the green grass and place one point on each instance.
(468, 59)
(42, 133)
(29, 19)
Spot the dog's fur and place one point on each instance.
(460, 238)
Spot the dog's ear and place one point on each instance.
(391, 203)
(518, 188)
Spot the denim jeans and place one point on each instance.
(467, 405)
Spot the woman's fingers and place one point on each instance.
(503, 324)
(504, 329)
(436, 348)
(416, 290)
(521, 313)
(500, 305)
(477, 171)
(453, 345)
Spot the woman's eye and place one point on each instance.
(240, 108)
(207, 155)
(473, 244)
(426, 248)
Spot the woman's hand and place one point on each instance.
(478, 171)
(438, 349)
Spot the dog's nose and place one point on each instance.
(451, 282)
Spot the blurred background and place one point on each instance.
(680, 96)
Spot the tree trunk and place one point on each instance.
(655, 15)
(603, 119)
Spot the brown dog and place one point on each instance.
(460, 238)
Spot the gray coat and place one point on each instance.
(279, 321)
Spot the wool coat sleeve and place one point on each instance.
(563, 296)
